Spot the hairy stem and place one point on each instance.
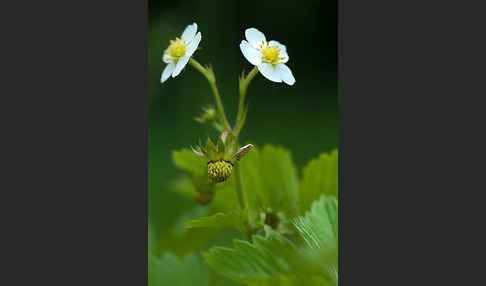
(243, 85)
(239, 188)
(244, 82)
(209, 74)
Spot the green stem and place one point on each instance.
(244, 82)
(243, 85)
(209, 74)
(239, 188)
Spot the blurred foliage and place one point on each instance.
(313, 183)
(270, 178)
(304, 254)
(234, 219)
(293, 125)
(170, 270)
(276, 258)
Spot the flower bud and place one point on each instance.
(209, 115)
(220, 170)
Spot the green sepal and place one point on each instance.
(220, 147)
(230, 146)
(211, 149)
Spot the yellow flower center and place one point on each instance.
(270, 54)
(176, 49)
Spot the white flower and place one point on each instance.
(270, 57)
(180, 51)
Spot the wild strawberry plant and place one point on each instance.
(286, 221)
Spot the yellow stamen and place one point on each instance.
(176, 49)
(271, 54)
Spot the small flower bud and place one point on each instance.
(209, 115)
(220, 170)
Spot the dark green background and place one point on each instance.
(302, 117)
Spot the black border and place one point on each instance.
(410, 85)
(77, 158)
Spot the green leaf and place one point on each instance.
(184, 186)
(224, 199)
(180, 240)
(296, 281)
(333, 273)
(319, 177)
(186, 160)
(270, 179)
(278, 261)
(319, 229)
(179, 228)
(170, 270)
(234, 219)
(264, 259)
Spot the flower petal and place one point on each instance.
(285, 74)
(283, 54)
(191, 48)
(254, 37)
(181, 63)
(275, 43)
(189, 32)
(270, 72)
(252, 55)
(166, 58)
(167, 71)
